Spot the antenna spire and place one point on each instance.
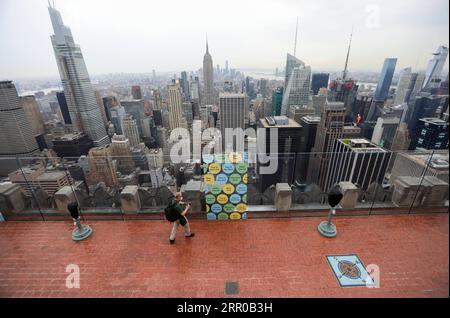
(207, 49)
(295, 42)
(344, 74)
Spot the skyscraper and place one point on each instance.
(263, 87)
(175, 107)
(430, 133)
(402, 85)
(357, 161)
(136, 92)
(385, 80)
(434, 68)
(423, 107)
(16, 133)
(64, 108)
(416, 88)
(208, 78)
(308, 132)
(157, 100)
(109, 102)
(345, 91)
(121, 152)
(185, 85)
(31, 108)
(318, 81)
(82, 104)
(232, 109)
(72, 145)
(277, 99)
(331, 127)
(188, 112)
(117, 115)
(135, 108)
(409, 85)
(130, 130)
(288, 144)
(101, 107)
(384, 131)
(102, 167)
(291, 62)
(194, 91)
(297, 89)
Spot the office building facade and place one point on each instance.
(385, 79)
(430, 134)
(81, 101)
(297, 90)
(208, 78)
(16, 137)
(318, 81)
(175, 107)
(358, 161)
(232, 109)
(435, 67)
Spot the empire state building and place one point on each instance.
(208, 98)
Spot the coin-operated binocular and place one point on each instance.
(80, 232)
(327, 228)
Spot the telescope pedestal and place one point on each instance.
(327, 228)
(81, 232)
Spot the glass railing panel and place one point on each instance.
(125, 187)
(95, 186)
(18, 200)
(431, 195)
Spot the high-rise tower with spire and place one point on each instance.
(344, 89)
(208, 78)
(297, 81)
(344, 73)
(82, 104)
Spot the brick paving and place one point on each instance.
(267, 257)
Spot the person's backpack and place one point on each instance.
(171, 214)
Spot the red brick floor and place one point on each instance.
(268, 257)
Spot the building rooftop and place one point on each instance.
(311, 119)
(334, 105)
(291, 124)
(51, 175)
(231, 95)
(351, 127)
(70, 136)
(361, 145)
(438, 161)
(435, 121)
(274, 258)
(390, 120)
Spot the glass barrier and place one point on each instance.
(428, 176)
(95, 186)
(283, 185)
(18, 199)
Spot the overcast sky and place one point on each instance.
(169, 35)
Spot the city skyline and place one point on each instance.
(101, 36)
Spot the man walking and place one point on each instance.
(177, 205)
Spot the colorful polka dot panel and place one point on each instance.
(225, 179)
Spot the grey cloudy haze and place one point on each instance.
(138, 36)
